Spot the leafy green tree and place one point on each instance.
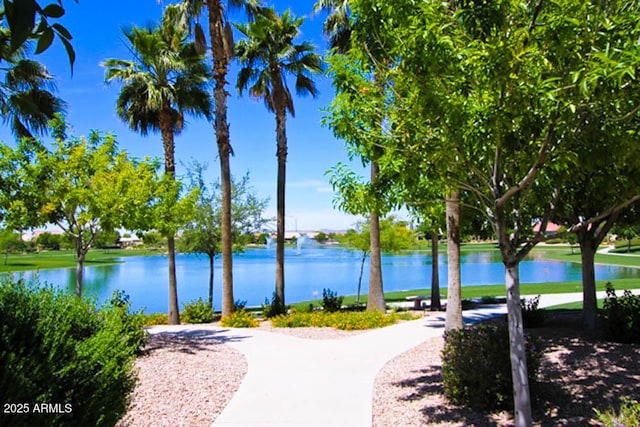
(222, 51)
(167, 79)
(9, 242)
(27, 20)
(268, 57)
(204, 233)
(321, 237)
(107, 239)
(87, 186)
(395, 236)
(50, 241)
(489, 91)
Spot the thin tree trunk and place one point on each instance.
(375, 302)
(221, 61)
(79, 272)
(281, 154)
(435, 275)
(589, 298)
(454, 291)
(364, 258)
(519, 374)
(211, 281)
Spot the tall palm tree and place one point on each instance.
(338, 27)
(268, 56)
(167, 79)
(221, 39)
(27, 102)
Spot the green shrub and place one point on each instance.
(488, 299)
(628, 415)
(273, 308)
(153, 319)
(621, 316)
(239, 319)
(331, 302)
(239, 304)
(468, 304)
(476, 366)
(59, 349)
(532, 316)
(339, 320)
(197, 311)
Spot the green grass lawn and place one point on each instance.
(65, 259)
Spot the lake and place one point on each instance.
(307, 272)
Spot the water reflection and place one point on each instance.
(306, 274)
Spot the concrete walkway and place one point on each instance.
(303, 382)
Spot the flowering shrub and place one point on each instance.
(239, 319)
(476, 366)
(339, 320)
(197, 311)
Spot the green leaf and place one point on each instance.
(70, 52)
(62, 31)
(53, 11)
(21, 21)
(45, 40)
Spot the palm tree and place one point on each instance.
(338, 27)
(221, 38)
(268, 55)
(27, 102)
(167, 79)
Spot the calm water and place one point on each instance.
(307, 272)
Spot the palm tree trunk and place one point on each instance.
(220, 68)
(454, 292)
(211, 281)
(174, 312)
(375, 302)
(281, 136)
(166, 129)
(435, 276)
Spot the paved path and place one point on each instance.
(303, 382)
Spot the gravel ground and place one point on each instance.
(579, 372)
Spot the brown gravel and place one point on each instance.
(579, 372)
(184, 380)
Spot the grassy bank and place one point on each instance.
(66, 259)
(492, 290)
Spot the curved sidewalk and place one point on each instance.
(293, 381)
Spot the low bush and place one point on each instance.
(239, 319)
(339, 320)
(621, 316)
(273, 308)
(331, 302)
(197, 311)
(476, 366)
(56, 348)
(239, 304)
(628, 415)
(154, 319)
(488, 299)
(532, 315)
(468, 304)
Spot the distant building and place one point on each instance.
(552, 228)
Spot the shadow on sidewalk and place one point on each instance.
(191, 341)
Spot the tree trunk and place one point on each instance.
(364, 258)
(589, 298)
(454, 291)
(375, 302)
(519, 374)
(435, 275)
(166, 129)
(281, 136)
(221, 61)
(79, 271)
(174, 312)
(211, 281)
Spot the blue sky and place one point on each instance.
(96, 29)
